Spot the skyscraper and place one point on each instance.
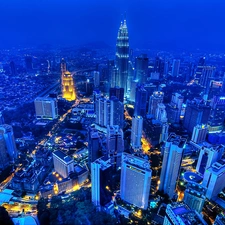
(117, 92)
(161, 114)
(207, 157)
(197, 112)
(199, 133)
(102, 111)
(194, 196)
(7, 132)
(68, 90)
(4, 161)
(214, 179)
(199, 69)
(140, 101)
(136, 131)
(175, 67)
(154, 100)
(180, 214)
(122, 55)
(208, 72)
(141, 68)
(101, 171)
(135, 180)
(134, 84)
(46, 108)
(115, 145)
(171, 163)
(116, 112)
(217, 114)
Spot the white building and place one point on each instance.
(135, 180)
(199, 134)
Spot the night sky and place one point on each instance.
(157, 24)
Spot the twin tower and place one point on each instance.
(68, 90)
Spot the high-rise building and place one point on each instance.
(207, 74)
(4, 161)
(172, 158)
(102, 111)
(117, 92)
(96, 77)
(46, 108)
(180, 214)
(161, 114)
(214, 179)
(135, 180)
(207, 157)
(63, 67)
(68, 90)
(140, 101)
(141, 68)
(115, 145)
(164, 133)
(136, 131)
(101, 172)
(63, 164)
(175, 68)
(134, 84)
(93, 145)
(194, 196)
(199, 69)
(197, 112)
(122, 55)
(217, 114)
(199, 133)
(220, 220)
(154, 100)
(175, 107)
(116, 112)
(7, 132)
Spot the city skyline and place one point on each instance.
(156, 24)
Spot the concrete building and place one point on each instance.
(63, 164)
(161, 114)
(116, 112)
(68, 89)
(136, 132)
(172, 158)
(46, 108)
(181, 214)
(140, 101)
(154, 100)
(194, 196)
(141, 68)
(135, 180)
(115, 145)
(199, 133)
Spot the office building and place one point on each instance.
(197, 112)
(220, 220)
(7, 132)
(161, 114)
(140, 101)
(134, 84)
(135, 180)
(207, 74)
(174, 108)
(164, 133)
(172, 158)
(136, 132)
(93, 145)
(207, 157)
(175, 68)
(46, 108)
(63, 164)
(154, 76)
(130, 75)
(101, 172)
(141, 68)
(102, 111)
(117, 92)
(68, 90)
(199, 69)
(214, 179)
(194, 196)
(122, 55)
(116, 112)
(180, 214)
(96, 78)
(217, 114)
(115, 145)
(154, 100)
(4, 160)
(199, 133)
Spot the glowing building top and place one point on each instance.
(68, 90)
(122, 55)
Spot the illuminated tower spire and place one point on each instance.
(122, 55)
(68, 90)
